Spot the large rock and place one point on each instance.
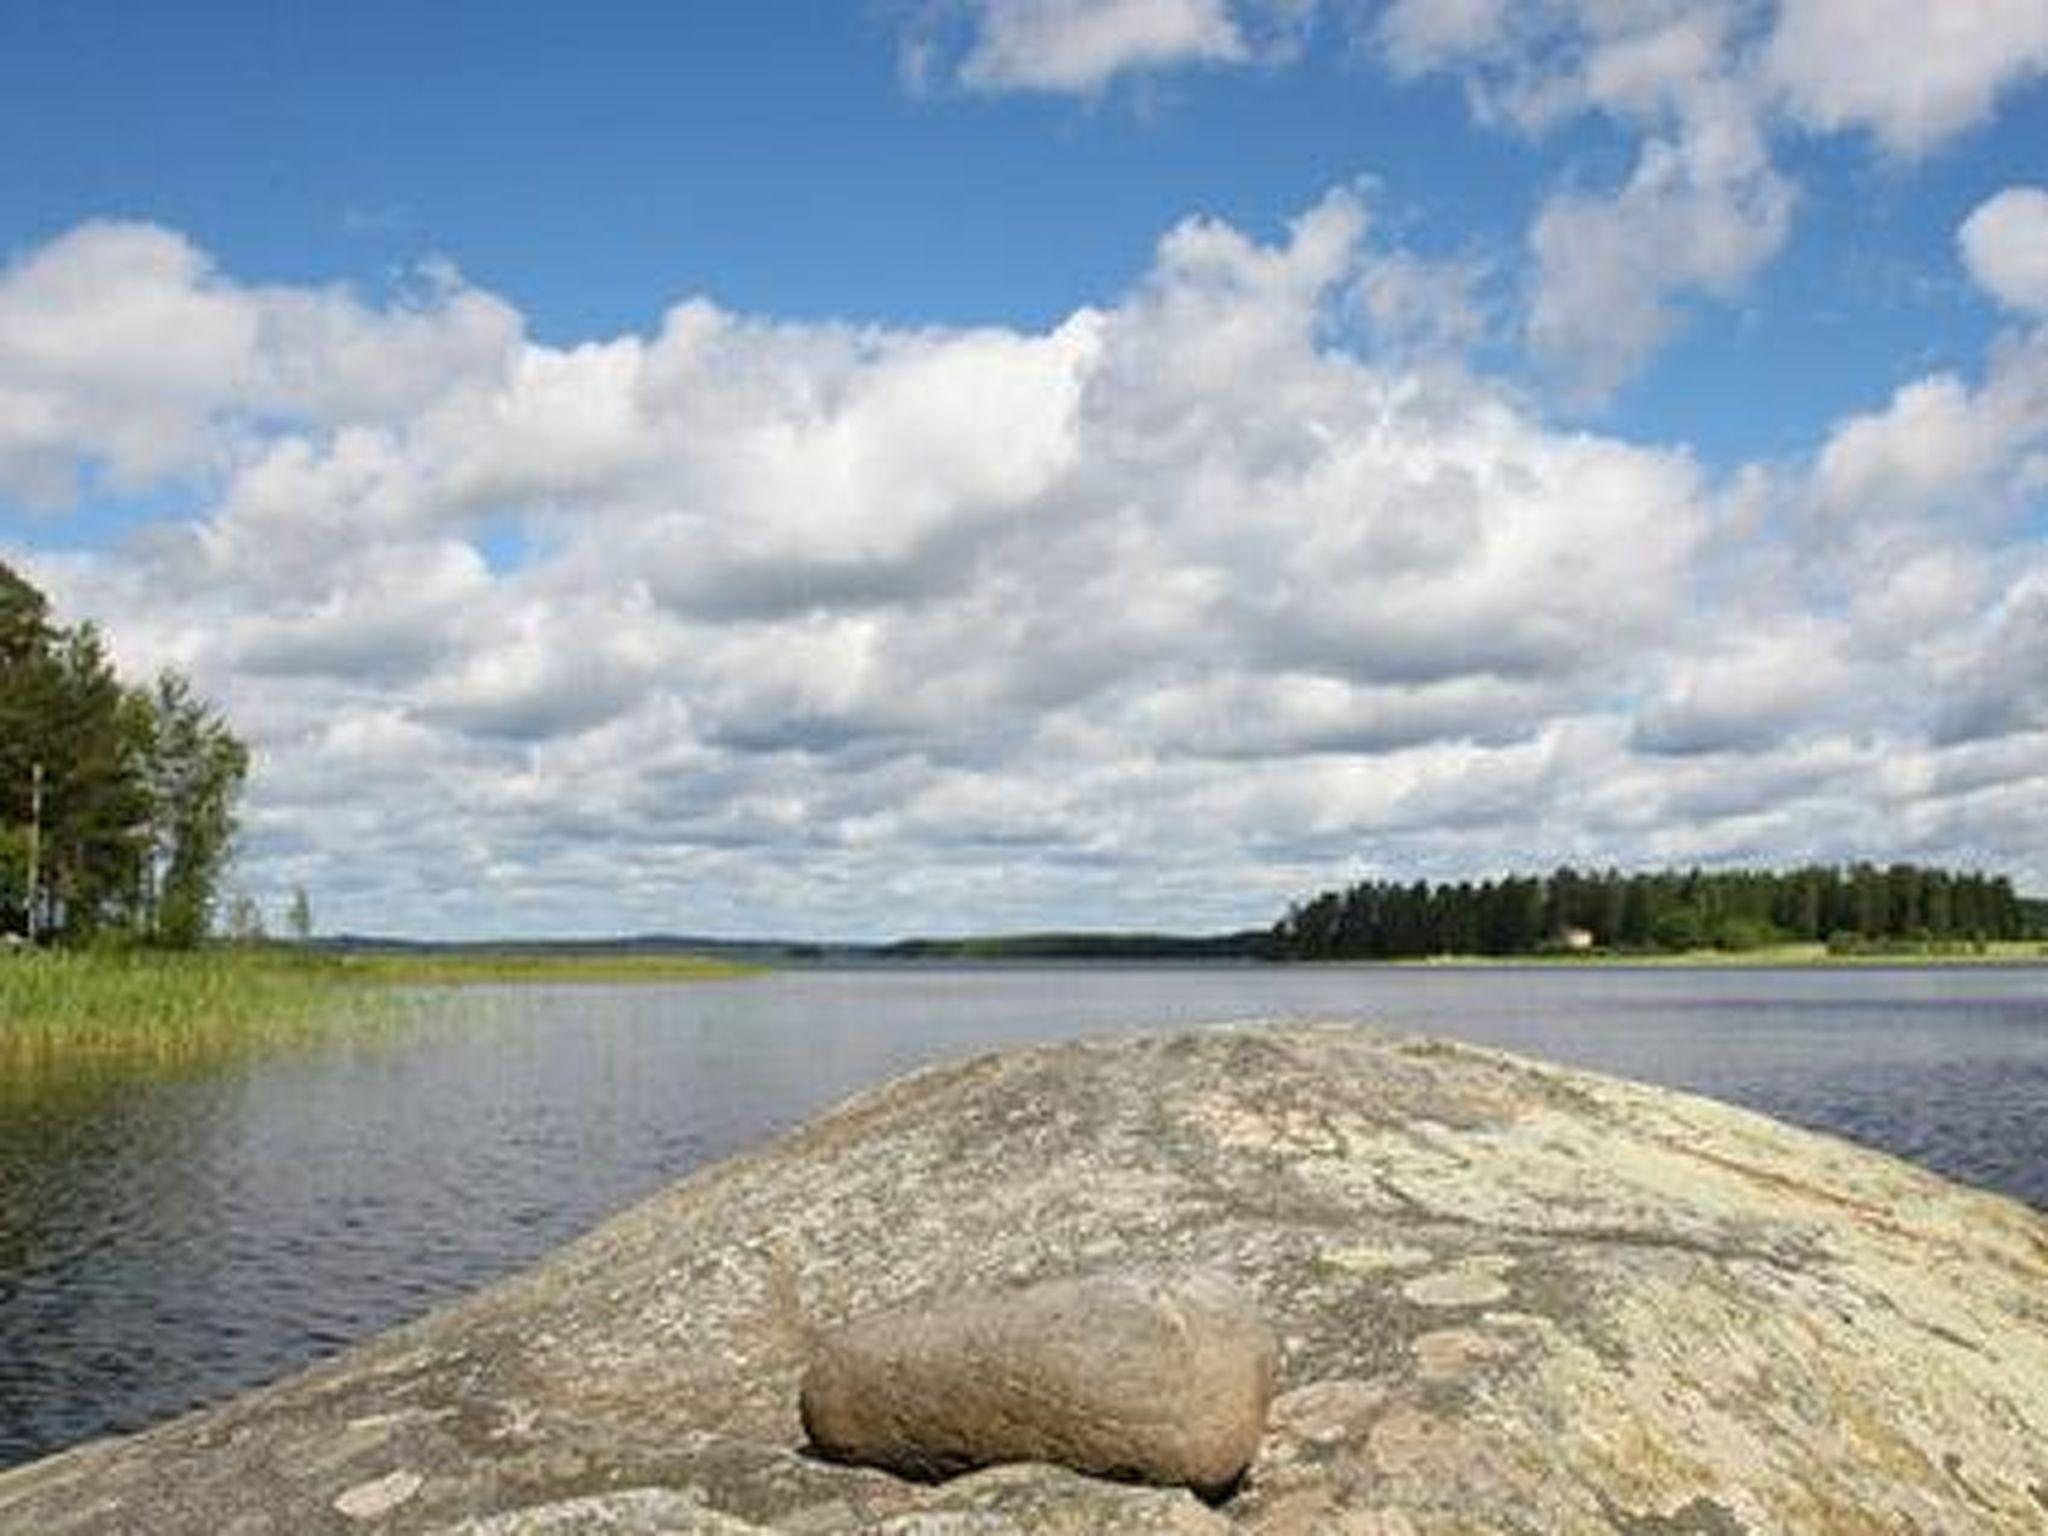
(1509, 1298)
(1129, 1376)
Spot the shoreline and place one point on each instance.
(2012, 954)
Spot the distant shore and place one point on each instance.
(2021, 952)
(521, 967)
(660, 958)
(1069, 949)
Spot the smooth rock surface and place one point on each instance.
(1510, 1298)
(1144, 1378)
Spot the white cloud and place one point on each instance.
(1998, 684)
(1429, 311)
(1703, 86)
(116, 347)
(1704, 207)
(834, 460)
(1159, 613)
(1910, 72)
(1750, 693)
(1425, 35)
(121, 349)
(1914, 73)
(1538, 63)
(1701, 213)
(1942, 447)
(1082, 45)
(1699, 88)
(385, 622)
(2005, 246)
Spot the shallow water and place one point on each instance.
(167, 1240)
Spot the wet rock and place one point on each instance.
(1126, 1376)
(1509, 1298)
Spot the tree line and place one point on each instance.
(117, 799)
(1859, 906)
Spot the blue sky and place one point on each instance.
(871, 467)
(595, 169)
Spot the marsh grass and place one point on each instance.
(62, 1011)
(163, 1009)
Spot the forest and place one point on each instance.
(117, 799)
(1859, 907)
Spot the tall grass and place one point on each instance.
(152, 1006)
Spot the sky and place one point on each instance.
(940, 466)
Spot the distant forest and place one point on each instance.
(1860, 907)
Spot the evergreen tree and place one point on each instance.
(1669, 910)
(116, 803)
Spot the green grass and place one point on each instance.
(157, 1010)
(161, 1007)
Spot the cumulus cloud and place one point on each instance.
(1160, 613)
(1702, 213)
(1538, 63)
(123, 351)
(117, 347)
(1072, 45)
(1704, 207)
(1423, 35)
(1941, 446)
(1749, 695)
(1911, 73)
(2005, 246)
(1700, 89)
(1998, 687)
(1704, 88)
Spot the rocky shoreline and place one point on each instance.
(1507, 1297)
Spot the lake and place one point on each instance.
(166, 1241)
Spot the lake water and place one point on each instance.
(167, 1241)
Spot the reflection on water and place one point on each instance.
(166, 1238)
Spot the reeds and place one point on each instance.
(63, 1010)
(151, 1006)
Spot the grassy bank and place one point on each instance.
(157, 1007)
(153, 1005)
